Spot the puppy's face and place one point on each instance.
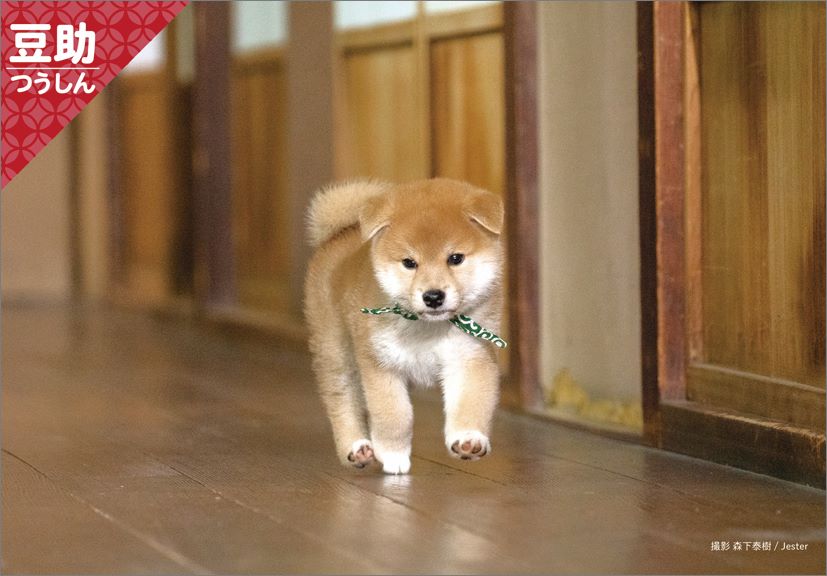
(436, 248)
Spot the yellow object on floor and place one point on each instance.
(567, 395)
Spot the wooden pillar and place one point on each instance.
(648, 220)
(662, 196)
(522, 201)
(310, 123)
(212, 163)
(670, 191)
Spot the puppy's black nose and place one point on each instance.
(433, 298)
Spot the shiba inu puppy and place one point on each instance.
(428, 252)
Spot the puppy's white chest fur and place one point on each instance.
(417, 350)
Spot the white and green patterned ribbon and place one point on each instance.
(467, 325)
(464, 323)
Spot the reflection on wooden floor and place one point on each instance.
(141, 445)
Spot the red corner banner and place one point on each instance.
(57, 56)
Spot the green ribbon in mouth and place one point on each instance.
(464, 323)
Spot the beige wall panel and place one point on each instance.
(379, 124)
(590, 268)
(762, 99)
(35, 226)
(260, 206)
(468, 110)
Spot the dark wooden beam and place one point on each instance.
(647, 219)
(181, 132)
(522, 147)
(215, 258)
(75, 224)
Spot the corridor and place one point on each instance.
(135, 443)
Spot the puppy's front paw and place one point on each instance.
(395, 462)
(361, 453)
(468, 445)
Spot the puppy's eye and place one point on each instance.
(456, 259)
(409, 264)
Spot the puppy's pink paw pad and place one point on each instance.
(361, 453)
(470, 445)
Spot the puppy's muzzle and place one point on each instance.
(433, 298)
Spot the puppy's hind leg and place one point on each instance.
(345, 406)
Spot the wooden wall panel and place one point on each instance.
(260, 205)
(468, 110)
(379, 132)
(762, 106)
(795, 75)
(147, 171)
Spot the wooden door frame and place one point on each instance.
(669, 162)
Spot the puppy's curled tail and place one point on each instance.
(337, 207)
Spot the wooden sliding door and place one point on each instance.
(739, 190)
(756, 317)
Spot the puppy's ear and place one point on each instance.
(486, 209)
(374, 216)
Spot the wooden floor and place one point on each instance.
(141, 445)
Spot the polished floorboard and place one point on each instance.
(135, 444)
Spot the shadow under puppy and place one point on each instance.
(405, 287)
